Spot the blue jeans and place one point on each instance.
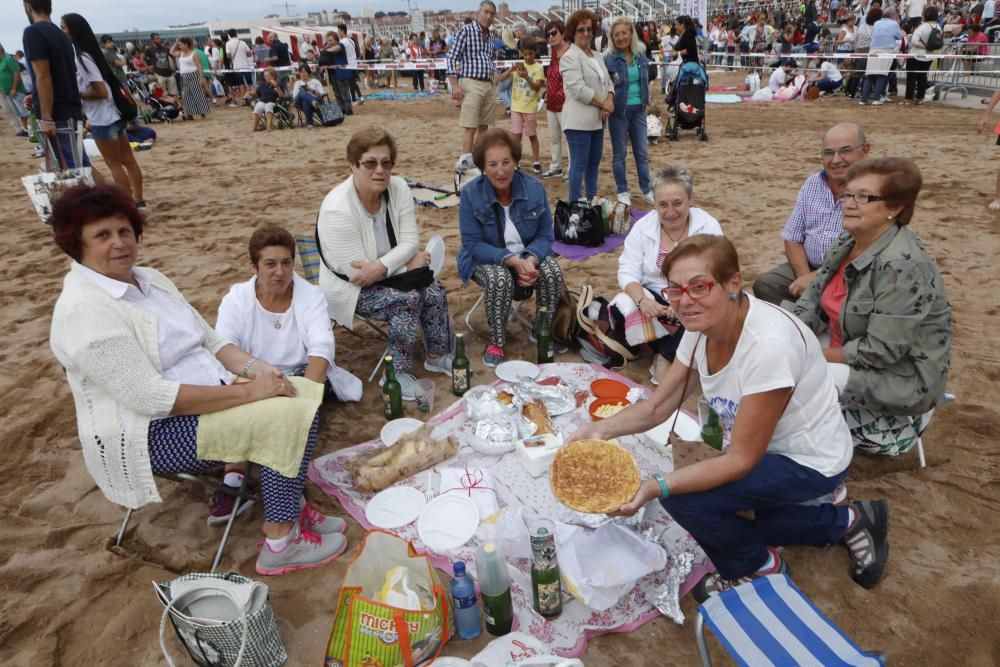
(737, 545)
(629, 127)
(504, 90)
(829, 85)
(585, 150)
(307, 102)
(876, 81)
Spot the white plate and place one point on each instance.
(687, 429)
(448, 522)
(395, 507)
(449, 661)
(397, 428)
(517, 371)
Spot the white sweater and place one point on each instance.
(637, 263)
(236, 323)
(346, 235)
(110, 352)
(583, 79)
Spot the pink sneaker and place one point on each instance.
(493, 356)
(305, 549)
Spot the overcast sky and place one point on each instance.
(105, 16)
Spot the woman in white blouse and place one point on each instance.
(590, 99)
(641, 313)
(371, 263)
(144, 366)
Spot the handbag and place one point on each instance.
(46, 187)
(223, 620)
(564, 327)
(592, 334)
(331, 114)
(579, 223)
(124, 101)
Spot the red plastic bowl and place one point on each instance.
(605, 401)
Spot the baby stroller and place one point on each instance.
(163, 110)
(688, 101)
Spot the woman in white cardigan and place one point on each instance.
(590, 99)
(640, 313)
(143, 366)
(371, 265)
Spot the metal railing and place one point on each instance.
(962, 75)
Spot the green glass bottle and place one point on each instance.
(546, 587)
(461, 373)
(711, 432)
(543, 336)
(392, 393)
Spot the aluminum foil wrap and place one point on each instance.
(482, 403)
(679, 565)
(558, 399)
(495, 426)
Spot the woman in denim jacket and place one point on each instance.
(629, 68)
(883, 301)
(506, 228)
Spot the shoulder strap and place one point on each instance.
(500, 226)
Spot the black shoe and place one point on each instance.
(713, 584)
(867, 540)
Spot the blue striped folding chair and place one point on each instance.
(768, 621)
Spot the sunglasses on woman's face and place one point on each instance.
(552, 33)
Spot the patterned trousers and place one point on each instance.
(498, 292)
(173, 447)
(403, 311)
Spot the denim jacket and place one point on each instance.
(896, 323)
(618, 69)
(482, 242)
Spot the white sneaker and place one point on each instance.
(408, 385)
(464, 163)
(625, 198)
(648, 196)
(440, 364)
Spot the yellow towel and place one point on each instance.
(272, 432)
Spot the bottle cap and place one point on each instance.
(460, 335)
(388, 357)
(489, 547)
(459, 568)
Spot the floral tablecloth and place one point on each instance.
(568, 634)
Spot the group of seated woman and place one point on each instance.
(792, 409)
(144, 367)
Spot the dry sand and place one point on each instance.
(67, 598)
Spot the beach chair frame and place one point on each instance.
(241, 494)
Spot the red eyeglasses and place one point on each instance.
(696, 290)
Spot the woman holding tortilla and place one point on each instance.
(764, 373)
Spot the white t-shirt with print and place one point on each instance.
(771, 355)
(98, 112)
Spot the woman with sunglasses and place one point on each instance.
(371, 263)
(785, 442)
(590, 99)
(883, 302)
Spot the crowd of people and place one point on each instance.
(844, 347)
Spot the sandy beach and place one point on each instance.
(68, 597)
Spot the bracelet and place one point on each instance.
(639, 302)
(664, 490)
(246, 367)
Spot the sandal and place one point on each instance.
(867, 540)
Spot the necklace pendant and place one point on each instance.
(277, 325)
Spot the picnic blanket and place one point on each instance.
(611, 241)
(389, 95)
(515, 488)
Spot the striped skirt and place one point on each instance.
(193, 95)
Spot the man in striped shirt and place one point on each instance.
(474, 55)
(815, 222)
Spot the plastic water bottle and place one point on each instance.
(463, 594)
(494, 586)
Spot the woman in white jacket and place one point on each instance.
(590, 99)
(371, 263)
(640, 313)
(145, 369)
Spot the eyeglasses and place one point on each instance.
(843, 151)
(552, 33)
(371, 163)
(585, 31)
(696, 290)
(859, 198)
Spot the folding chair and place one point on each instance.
(240, 494)
(768, 621)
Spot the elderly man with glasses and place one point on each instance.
(815, 222)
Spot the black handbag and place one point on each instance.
(331, 114)
(124, 101)
(579, 223)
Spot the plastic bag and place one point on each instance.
(396, 591)
(517, 649)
